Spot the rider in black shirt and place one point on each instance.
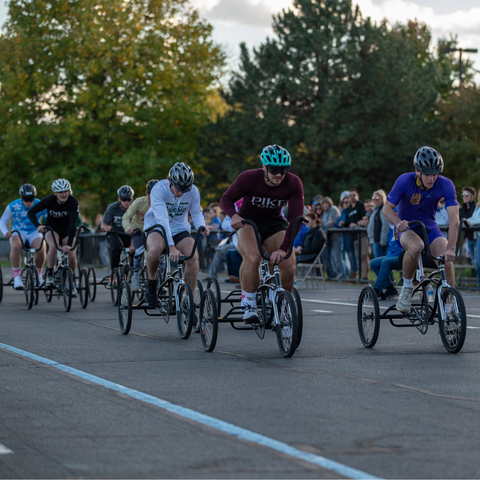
(62, 209)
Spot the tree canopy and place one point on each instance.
(102, 92)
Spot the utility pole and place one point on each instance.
(461, 50)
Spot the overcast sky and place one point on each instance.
(250, 21)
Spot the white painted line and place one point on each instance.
(4, 450)
(322, 311)
(330, 303)
(473, 328)
(211, 422)
(469, 315)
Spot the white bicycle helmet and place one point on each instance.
(61, 185)
(181, 176)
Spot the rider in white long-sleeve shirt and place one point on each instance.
(171, 200)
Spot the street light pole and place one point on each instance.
(461, 50)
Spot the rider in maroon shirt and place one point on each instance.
(264, 191)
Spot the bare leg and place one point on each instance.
(72, 256)
(40, 255)
(287, 267)
(155, 248)
(15, 251)
(413, 246)
(52, 250)
(185, 246)
(438, 247)
(248, 249)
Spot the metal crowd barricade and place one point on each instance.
(357, 231)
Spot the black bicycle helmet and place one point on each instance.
(428, 161)
(125, 192)
(151, 184)
(181, 176)
(27, 190)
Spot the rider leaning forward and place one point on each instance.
(264, 191)
(171, 200)
(417, 195)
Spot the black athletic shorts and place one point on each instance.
(267, 227)
(176, 238)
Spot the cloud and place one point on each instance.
(243, 12)
(464, 23)
(252, 13)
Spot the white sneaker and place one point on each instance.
(250, 315)
(17, 283)
(135, 283)
(40, 279)
(404, 303)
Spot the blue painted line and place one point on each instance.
(211, 422)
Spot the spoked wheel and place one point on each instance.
(214, 286)
(142, 286)
(127, 273)
(185, 310)
(92, 284)
(28, 286)
(208, 320)
(262, 312)
(454, 328)
(167, 299)
(115, 283)
(125, 307)
(287, 329)
(1, 284)
(67, 286)
(48, 295)
(298, 305)
(368, 317)
(197, 296)
(162, 268)
(36, 277)
(83, 288)
(424, 313)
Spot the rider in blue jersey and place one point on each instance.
(417, 195)
(17, 211)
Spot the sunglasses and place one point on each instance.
(278, 170)
(375, 199)
(126, 199)
(182, 188)
(466, 194)
(28, 199)
(346, 202)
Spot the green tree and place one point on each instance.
(351, 100)
(102, 92)
(459, 143)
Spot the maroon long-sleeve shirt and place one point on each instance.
(263, 201)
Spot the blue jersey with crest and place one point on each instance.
(417, 203)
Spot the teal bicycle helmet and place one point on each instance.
(275, 156)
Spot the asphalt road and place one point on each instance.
(80, 400)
